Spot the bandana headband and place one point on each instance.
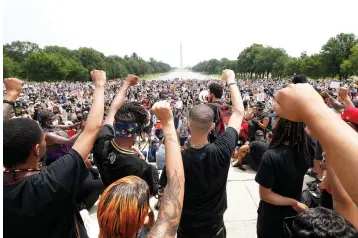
(125, 130)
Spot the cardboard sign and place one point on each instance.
(248, 82)
(335, 85)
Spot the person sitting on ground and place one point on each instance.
(33, 196)
(113, 149)
(206, 167)
(57, 140)
(251, 154)
(124, 205)
(152, 151)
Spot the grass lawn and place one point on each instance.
(150, 76)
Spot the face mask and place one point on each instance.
(55, 122)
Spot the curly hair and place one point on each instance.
(43, 117)
(322, 222)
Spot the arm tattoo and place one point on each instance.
(7, 109)
(171, 137)
(170, 210)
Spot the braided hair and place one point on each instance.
(294, 134)
(133, 112)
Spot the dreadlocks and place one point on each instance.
(294, 134)
(133, 112)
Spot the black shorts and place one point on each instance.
(182, 140)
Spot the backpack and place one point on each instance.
(154, 186)
(221, 121)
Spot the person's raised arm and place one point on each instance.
(344, 97)
(238, 110)
(84, 143)
(118, 101)
(172, 201)
(337, 138)
(342, 203)
(13, 89)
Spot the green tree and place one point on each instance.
(41, 66)
(293, 66)
(91, 58)
(19, 50)
(75, 70)
(114, 68)
(312, 66)
(11, 68)
(65, 52)
(335, 51)
(350, 66)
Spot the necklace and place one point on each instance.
(199, 146)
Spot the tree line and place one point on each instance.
(337, 58)
(54, 63)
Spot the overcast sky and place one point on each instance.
(155, 28)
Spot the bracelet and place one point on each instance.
(9, 102)
(231, 84)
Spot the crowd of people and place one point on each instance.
(67, 145)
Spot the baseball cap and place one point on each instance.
(351, 115)
(155, 141)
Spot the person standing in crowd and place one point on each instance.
(206, 167)
(312, 111)
(113, 153)
(219, 107)
(258, 120)
(45, 198)
(251, 154)
(161, 156)
(280, 177)
(124, 205)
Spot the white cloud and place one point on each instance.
(208, 29)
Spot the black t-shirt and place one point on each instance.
(283, 171)
(206, 172)
(120, 162)
(43, 205)
(257, 149)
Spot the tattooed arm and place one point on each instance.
(13, 89)
(172, 201)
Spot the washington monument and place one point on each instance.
(181, 56)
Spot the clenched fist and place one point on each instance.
(228, 76)
(132, 79)
(13, 86)
(298, 102)
(163, 111)
(98, 77)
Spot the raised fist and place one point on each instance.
(132, 79)
(13, 85)
(163, 111)
(98, 77)
(228, 76)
